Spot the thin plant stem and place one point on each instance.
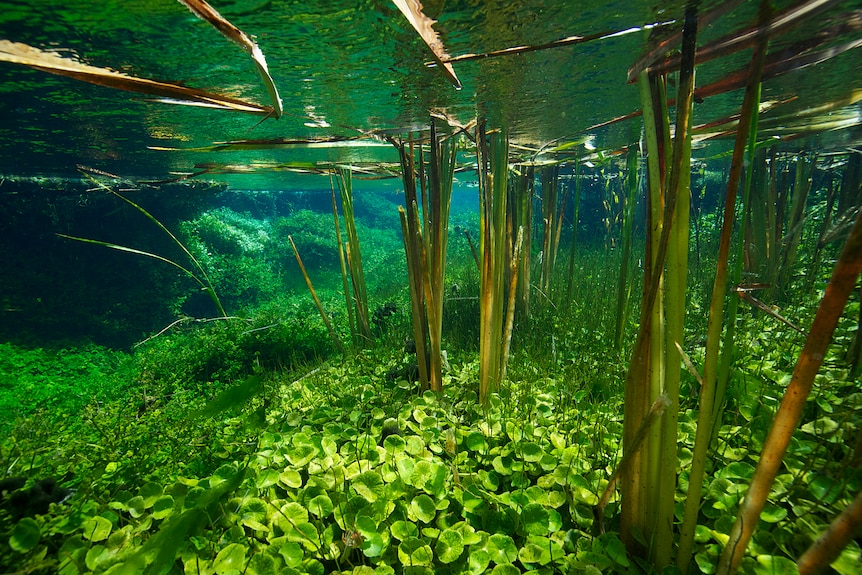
(317, 302)
(714, 323)
(510, 307)
(730, 331)
(343, 263)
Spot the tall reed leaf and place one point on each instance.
(18, 53)
(205, 12)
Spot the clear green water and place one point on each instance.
(358, 66)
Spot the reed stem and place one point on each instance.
(317, 302)
(716, 311)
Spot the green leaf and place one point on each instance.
(531, 452)
(615, 549)
(394, 444)
(150, 492)
(136, 506)
(423, 508)
(824, 488)
(96, 528)
(292, 553)
(475, 441)
(774, 565)
(253, 514)
(773, 513)
(449, 546)
(261, 564)
(95, 557)
(414, 551)
(369, 485)
(321, 506)
(163, 507)
(532, 553)
(737, 470)
(501, 549)
(291, 478)
(478, 560)
(401, 530)
(534, 519)
(822, 426)
(230, 560)
(301, 455)
(25, 535)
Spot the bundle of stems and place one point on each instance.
(493, 162)
(648, 481)
(426, 236)
(708, 391)
(410, 230)
(350, 253)
(552, 219)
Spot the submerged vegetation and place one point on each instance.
(485, 393)
(250, 445)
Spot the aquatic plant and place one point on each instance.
(323, 315)
(426, 238)
(200, 276)
(350, 259)
(842, 284)
(648, 483)
(623, 286)
(748, 111)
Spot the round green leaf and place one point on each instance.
(501, 549)
(535, 520)
(369, 485)
(96, 528)
(163, 507)
(230, 560)
(532, 452)
(401, 530)
(414, 551)
(321, 506)
(423, 507)
(505, 569)
(478, 560)
(394, 444)
(136, 506)
(300, 455)
(292, 553)
(261, 564)
(773, 513)
(449, 546)
(25, 535)
(291, 478)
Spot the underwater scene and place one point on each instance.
(458, 287)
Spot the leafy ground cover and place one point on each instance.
(339, 469)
